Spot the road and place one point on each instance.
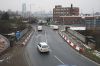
(60, 52)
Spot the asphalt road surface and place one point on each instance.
(61, 54)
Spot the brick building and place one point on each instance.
(64, 11)
(71, 20)
(89, 21)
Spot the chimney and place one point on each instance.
(71, 6)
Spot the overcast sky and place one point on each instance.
(86, 6)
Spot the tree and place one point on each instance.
(33, 20)
(48, 20)
(5, 16)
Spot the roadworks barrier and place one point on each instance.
(75, 46)
(26, 40)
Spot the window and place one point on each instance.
(44, 46)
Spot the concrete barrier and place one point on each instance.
(76, 47)
(26, 40)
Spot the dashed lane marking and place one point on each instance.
(58, 59)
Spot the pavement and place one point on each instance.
(60, 52)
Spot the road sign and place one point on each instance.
(17, 35)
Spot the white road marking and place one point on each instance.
(58, 59)
(89, 60)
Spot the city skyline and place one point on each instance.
(86, 6)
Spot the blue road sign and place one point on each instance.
(17, 35)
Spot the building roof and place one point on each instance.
(78, 28)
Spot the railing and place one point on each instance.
(23, 32)
(76, 34)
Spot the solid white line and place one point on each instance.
(58, 59)
(90, 60)
(87, 58)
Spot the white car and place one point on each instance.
(55, 27)
(39, 28)
(43, 47)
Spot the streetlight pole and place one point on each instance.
(30, 14)
(63, 18)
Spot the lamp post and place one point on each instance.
(62, 22)
(85, 23)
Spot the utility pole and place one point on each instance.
(94, 20)
(30, 13)
(63, 17)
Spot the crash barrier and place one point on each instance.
(76, 47)
(23, 32)
(26, 40)
(4, 43)
(76, 34)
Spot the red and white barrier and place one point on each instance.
(71, 43)
(26, 40)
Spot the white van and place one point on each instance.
(55, 27)
(39, 28)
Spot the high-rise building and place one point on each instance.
(64, 11)
(24, 9)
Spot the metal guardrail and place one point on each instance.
(76, 34)
(23, 32)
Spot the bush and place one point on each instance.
(9, 26)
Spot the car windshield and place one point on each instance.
(44, 46)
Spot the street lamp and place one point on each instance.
(63, 22)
